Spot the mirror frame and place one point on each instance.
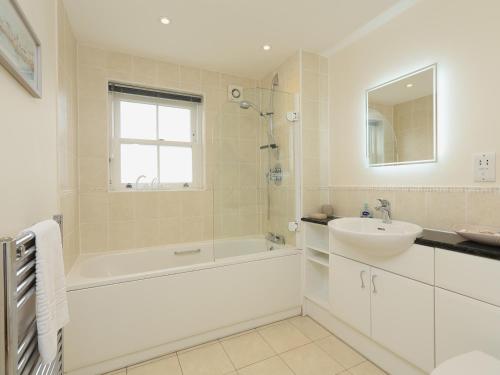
(434, 117)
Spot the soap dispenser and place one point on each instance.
(366, 212)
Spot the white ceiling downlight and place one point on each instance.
(165, 20)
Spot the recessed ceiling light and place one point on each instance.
(164, 20)
(409, 85)
(266, 47)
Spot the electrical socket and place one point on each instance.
(485, 167)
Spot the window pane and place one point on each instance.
(137, 160)
(176, 164)
(138, 120)
(174, 124)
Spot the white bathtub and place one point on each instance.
(131, 306)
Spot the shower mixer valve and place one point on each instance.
(276, 174)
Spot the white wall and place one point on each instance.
(28, 159)
(462, 37)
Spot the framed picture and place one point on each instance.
(20, 49)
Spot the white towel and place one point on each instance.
(51, 303)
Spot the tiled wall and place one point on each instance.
(67, 137)
(235, 170)
(431, 207)
(121, 220)
(315, 131)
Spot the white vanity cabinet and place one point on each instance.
(467, 304)
(350, 292)
(402, 316)
(395, 311)
(407, 312)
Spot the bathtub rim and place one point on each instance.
(75, 282)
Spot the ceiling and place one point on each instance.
(221, 35)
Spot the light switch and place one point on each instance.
(485, 167)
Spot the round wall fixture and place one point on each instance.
(235, 93)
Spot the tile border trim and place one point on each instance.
(418, 188)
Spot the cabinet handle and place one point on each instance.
(361, 274)
(373, 283)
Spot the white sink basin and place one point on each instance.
(374, 237)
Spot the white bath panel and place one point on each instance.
(112, 321)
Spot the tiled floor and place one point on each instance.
(296, 346)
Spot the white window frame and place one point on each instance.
(116, 141)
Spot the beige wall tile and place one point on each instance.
(169, 75)
(170, 204)
(410, 206)
(483, 209)
(93, 237)
(93, 174)
(121, 235)
(147, 232)
(171, 217)
(121, 206)
(147, 205)
(144, 71)
(94, 207)
(444, 210)
(169, 231)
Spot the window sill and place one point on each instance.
(144, 190)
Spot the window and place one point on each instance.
(156, 140)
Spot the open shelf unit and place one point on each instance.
(317, 263)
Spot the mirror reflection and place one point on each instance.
(401, 126)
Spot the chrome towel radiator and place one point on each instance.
(18, 335)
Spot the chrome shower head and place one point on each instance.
(245, 104)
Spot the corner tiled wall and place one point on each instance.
(67, 136)
(315, 138)
(122, 220)
(436, 208)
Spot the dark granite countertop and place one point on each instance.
(443, 240)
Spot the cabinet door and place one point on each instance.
(464, 324)
(403, 317)
(350, 292)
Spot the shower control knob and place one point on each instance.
(292, 116)
(293, 226)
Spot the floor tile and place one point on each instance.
(309, 327)
(209, 359)
(117, 372)
(271, 366)
(163, 366)
(283, 337)
(366, 368)
(311, 360)
(246, 349)
(340, 351)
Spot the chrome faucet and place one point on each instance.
(154, 183)
(385, 209)
(138, 180)
(275, 238)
